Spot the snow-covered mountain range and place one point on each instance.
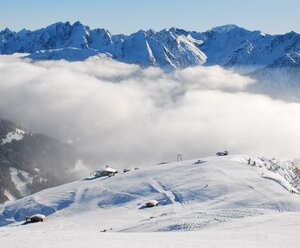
(227, 45)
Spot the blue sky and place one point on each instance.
(127, 16)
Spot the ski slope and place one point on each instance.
(215, 201)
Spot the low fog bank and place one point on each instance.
(128, 116)
(279, 83)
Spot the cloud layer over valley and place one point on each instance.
(126, 115)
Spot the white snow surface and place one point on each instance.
(38, 215)
(10, 197)
(210, 202)
(18, 134)
(21, 184)
(108, 169)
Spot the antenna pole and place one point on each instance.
(179, 157)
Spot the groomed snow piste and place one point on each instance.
(215, 201)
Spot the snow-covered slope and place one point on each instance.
(279, 230)
(25, 159)
(21, 179)
(167, 48)
(193, 195)
(234, 46)
(281, 78)
(227, 45)
(236, 201)
(17, 134)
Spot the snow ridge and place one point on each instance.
(228, 45)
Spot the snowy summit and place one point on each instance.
(227, 45)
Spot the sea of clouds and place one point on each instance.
(126, 115)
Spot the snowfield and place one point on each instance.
(231, 201)
(279, 230)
